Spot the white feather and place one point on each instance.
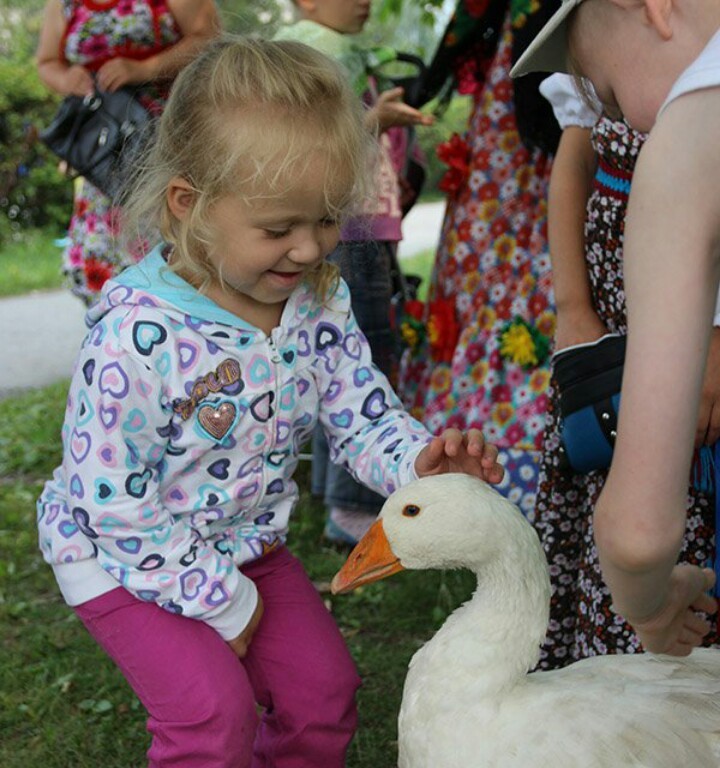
(469, 701)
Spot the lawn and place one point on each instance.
(30, 264)
(63, 703)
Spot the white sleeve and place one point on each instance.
(570, 108)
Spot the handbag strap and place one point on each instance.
(86, 106)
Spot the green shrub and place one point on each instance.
(32, 191)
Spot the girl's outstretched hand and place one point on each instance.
(453, 451)
(241, 643)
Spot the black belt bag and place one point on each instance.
(588, 379)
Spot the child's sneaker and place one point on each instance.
(347, 526)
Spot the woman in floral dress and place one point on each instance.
(490, 316)
(581, 620)
(118, 42)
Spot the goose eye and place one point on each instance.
(411, 510)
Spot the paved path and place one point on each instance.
(40, 333)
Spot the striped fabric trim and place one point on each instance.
(612, 181)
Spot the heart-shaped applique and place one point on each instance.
(135, 421)
(51, 512)
(82, 520)
(88, 370)
(282, 431)
(114, 381)
(136, 483)
(189, 353)
(344, 419)
(261, 407)
(104, 491)
(147, 335)
(362, 376)
(218, 595)
(390, 448)
(109, 416)
(77, 489)
(258, 370)
(253, 465)
(131, 545)
(303, 385)
(303, 348)
(352, 346)
(334, 391)
(152, 562)
(276, 458)
(247, 491)
(219, 469)
(67, 529)
(276, 486)
(326, 335)
(176, 493)
(79, 446)
(191, 582)
(287, 399)
(374, 406)
(217, 419)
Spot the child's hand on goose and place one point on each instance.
(453, 451)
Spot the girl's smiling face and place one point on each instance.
(263, 247)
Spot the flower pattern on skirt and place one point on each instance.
(493, 265)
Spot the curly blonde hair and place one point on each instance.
(250, 115)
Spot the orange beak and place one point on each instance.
(371, 560)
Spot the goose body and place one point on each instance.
(468, 700)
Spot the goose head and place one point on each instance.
(446, 521)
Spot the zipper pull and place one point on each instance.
(274, 354)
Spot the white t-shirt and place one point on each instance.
(704, 72)
(570, 108)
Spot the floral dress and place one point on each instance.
(96, 32)
(581, 621)
(483, 361)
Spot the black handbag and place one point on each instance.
(96, 135)
(589, 377)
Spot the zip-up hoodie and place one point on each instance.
(182, 433)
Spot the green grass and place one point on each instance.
(63, 703)
(420, 264)
(30, 264)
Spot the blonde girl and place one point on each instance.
(204, 372)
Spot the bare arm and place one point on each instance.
(54, 71)
(570, 185)
(390, 110)
(671, 276)
(198, 22)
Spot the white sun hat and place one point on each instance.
(548, 52)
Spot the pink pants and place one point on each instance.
(201, 698)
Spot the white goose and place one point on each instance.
(468, 701)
